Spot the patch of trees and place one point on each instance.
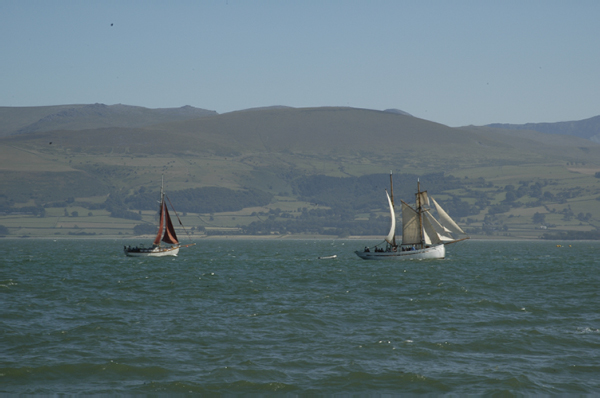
(319, 221)
(47, 187)
(365, 193)
(459, 208)
(37, 211)
(203, 200)
(117, 208)
(573, 235)
(533, 190)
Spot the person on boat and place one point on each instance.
(367, 249)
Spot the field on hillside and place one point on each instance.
(131, 173)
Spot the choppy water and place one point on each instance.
(233, 316)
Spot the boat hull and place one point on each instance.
(429, 253)
(156, 252)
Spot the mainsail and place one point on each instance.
(165, 225)
(419, 226)
(170, 236)
(411, 230)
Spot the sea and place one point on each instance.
(233, 317)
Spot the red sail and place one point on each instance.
(161, 225)
(170, 236)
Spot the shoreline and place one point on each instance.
(149, 238)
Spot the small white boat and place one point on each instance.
(327, 257)
(154, 251)
(423, 236)
(166, 233)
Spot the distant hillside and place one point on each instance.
(340, 132)
(23, 120)
(587, 128)
(280, 170)
(306, 131)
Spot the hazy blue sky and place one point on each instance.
(453, 62)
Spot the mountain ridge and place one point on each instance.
(25, 120)
(586, 128)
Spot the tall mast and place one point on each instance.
(162, 204)
(420, 211)
(391, 188)
(162, 189)
(161, 216)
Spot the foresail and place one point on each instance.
(444, 234)
(431, 237)
(446, 221)
(391, 237)
(411, 232)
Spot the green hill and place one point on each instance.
(280, 156)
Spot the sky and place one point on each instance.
(453, 62)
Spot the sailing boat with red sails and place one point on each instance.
(166, 233)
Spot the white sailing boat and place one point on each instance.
(166, 233)
(423, 236)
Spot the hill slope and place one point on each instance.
(22, 120)
(588, 128)
(351, 136)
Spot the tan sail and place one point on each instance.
(423, 197)
(423, 236)
(411, 230)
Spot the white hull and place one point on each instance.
(156, 252)
(429, 253)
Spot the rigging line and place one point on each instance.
(178, 219)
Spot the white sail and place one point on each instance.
(446, 221)
(411, 231)
(429, 233)
(443, 233)
(392, 234)
(423, 236)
